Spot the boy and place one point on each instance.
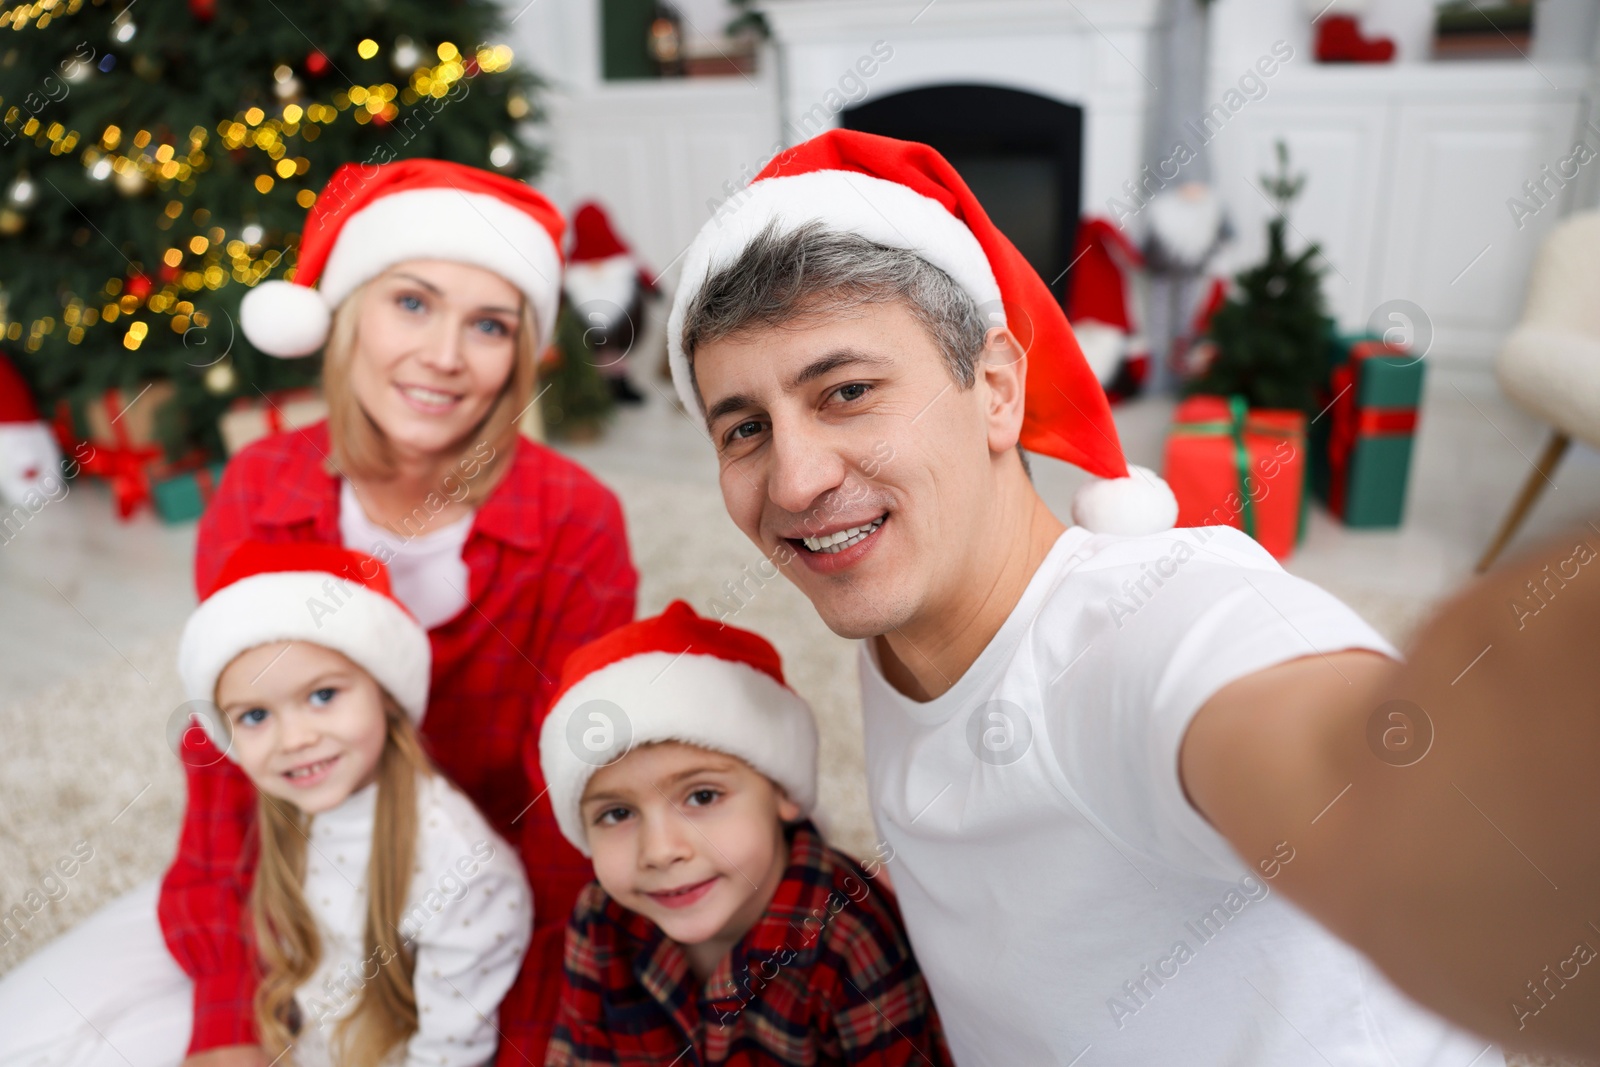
(721, 928)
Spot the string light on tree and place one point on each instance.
(220, 378)
(406, 56)
(501, 154)
(284, 84)
(21, 193)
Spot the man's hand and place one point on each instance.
(228, 1056)
(1444, 814)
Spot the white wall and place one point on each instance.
(653, 152)
(1409, 165)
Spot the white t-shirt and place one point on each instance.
(469, 915)
(1065, 901)
(426, 570)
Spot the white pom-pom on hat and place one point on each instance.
(284, 319)
(1139, 504)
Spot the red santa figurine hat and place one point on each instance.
(368, 218)
(30, 461)
(674, 677)
(603, 275)
(317, 593)
(1098, 306)
(905, 195)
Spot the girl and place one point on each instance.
(387, 914)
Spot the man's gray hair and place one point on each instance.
(814, 271)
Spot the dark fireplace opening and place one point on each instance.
(1021, 154)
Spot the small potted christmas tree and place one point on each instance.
(1269, 337)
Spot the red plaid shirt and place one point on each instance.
(825, 977)
(548, 569)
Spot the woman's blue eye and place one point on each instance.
(701, 797)
(253, 717)
(323, 696)
(844, 391)
(411, 302)
(493, 327)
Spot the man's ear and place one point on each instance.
(1002, 366)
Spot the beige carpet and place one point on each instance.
(86, 765)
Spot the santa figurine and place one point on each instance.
(30, 460)
(1186, 229)
(1100, 307)
(606, 285)
(1338, 33)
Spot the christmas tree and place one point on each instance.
(159, 159)
(1270, 335)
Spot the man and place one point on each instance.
(1100, 751)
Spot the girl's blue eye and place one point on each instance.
(253, 717)
(323, 696)
(701, 797)
(411, 302)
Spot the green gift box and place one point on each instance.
(1362, 451)
(183, 497)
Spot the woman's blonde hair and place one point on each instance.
(287, 945)
(358, 444)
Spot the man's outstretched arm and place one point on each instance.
(1444, 813)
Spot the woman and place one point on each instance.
(437, 284)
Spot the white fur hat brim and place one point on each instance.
(698, 700)
(318, 608)
(436, 223)
(884, 212)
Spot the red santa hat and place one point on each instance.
(16, 399)
(905, 195)
(598, 255)
(317, 593)
(1099, 275)
(368, 218)
(674, 677)
(1098, 305)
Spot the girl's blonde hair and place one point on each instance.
(359, 446)
(287, 945)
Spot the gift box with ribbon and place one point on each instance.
(1229, 465)
(1363, 452)
(113, 436)
(249, 420)
(183, 497)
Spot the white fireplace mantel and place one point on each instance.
(1096, 54)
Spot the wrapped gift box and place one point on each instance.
(182, 497)
(1232, 466)
(1362, 454)
(124, 417)
(113, 435)
(247, 421)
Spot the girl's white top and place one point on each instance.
(468, 919)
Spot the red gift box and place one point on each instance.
(1229, 465)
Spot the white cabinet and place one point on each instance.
(1409, 170)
